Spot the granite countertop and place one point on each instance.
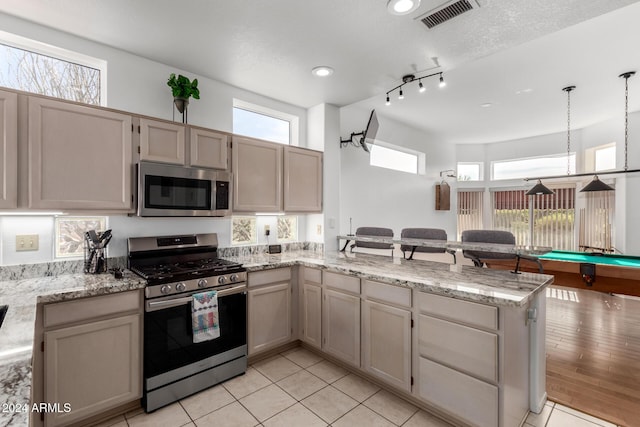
(17, 331)
(453, 245)
(496, 287)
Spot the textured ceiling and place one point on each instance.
(269, 47)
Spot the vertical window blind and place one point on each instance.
(469, 211)
(596, 222)
(544, 220)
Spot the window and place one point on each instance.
(469, 171)
(39, 68)
(264, 123)
(392, 157)
(596, 222)
(244, 230)
(469, 211)
(70, 233)
(287, 228)
(533, 166)
(605, 158)
(546, 220)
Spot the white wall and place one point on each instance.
(380, 197)
(138, 85)
(627, 225)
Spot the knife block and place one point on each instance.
(95, 259)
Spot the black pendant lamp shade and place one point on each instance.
(538, 189)
(597, 185)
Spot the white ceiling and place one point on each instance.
(487, 54)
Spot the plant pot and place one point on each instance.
(181, 104)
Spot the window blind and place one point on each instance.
(469, 211)
(596, 222)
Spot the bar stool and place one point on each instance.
(374, 232)
(427, 234)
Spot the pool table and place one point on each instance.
(613, 273)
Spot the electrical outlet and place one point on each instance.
(27, 242)
(319, 229)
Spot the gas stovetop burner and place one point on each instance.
(168, 259)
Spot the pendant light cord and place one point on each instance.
(568, 89)
(626, 118)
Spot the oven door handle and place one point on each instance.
(158, 305)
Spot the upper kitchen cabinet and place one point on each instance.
(257, 170)
(162, 142)
(302, 180)
(271, 177)
(208, 149)
(79, 157)
(8, 150)
(175, 143)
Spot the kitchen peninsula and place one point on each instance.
(477, 335)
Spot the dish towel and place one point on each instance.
(204, 316)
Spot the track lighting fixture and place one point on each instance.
(388, 101)
(412, 78)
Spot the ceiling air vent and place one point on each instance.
(438, 16)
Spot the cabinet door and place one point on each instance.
(208, 149)
(79, 157)
(341, 326)
(386, 342)
(162, 142)
(257, 170)
(269, 317)
(312, 314)
(8, 149)
(93, 367)
(302, 180)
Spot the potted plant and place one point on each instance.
(182, 89)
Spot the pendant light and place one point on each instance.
(596, 184)
(539, 188)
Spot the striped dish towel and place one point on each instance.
(204, 316)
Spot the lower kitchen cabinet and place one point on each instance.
(341, 326)
(92, 365)
(269, 305)
(311, 313)
(386, 343)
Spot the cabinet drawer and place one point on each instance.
(459, 346)
(342, 282)
(466, 397)
(90, 308)
(312, 275)
(483, 316)
(259, 278)
(387, 293)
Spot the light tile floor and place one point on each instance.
(299, 388)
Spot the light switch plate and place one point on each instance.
(27, 242)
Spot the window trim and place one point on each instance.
(546, 156)
(480, 172)
(61, 54)
(420, 157)
(294, 121)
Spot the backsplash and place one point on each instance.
(55, 268)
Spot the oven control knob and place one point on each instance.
(222, 279)
(181, 287)
(234, 278)
(202, 283)
(165, 289)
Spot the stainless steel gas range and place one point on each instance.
(175, 268)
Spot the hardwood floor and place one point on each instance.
(593, 353)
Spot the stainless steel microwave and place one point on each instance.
(169, 190)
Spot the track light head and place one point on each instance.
(442, 82)
(421, 87)
(388, 101)
(401, 95)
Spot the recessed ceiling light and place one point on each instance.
(402, 7)
(486, 105)
(322, 71)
